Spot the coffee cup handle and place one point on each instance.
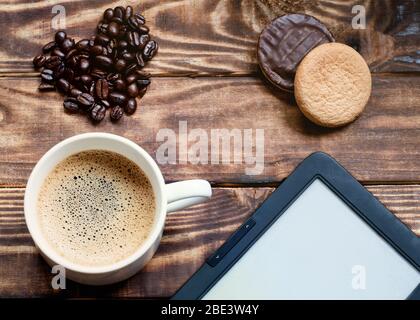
(187, 193)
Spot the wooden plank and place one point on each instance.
(201, 37)
(190, 236)
(383, 145)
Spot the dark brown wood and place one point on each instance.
(204, 37)
(402, 200)
(382, 145)
(189, 237)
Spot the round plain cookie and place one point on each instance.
(332, 85)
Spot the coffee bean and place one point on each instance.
(82, 45)
(121, 52)
(116, 113)
(72, 62)
(128, 12)
(59, 70)
(123, 31)
(133, 90)
(135, 22)
(92, 89)
(84, 65)
(70, 54)
(47, 75)
(104, 52)
(70, 104)
(39, 61)
(46, 87)
(113, 29)
(128, 56)
(143, 82)
(102, 39)
(122, 44)
(150, 50)
(63, 85)
(142, 74)
(117, 20)
(139, 59)
(117, 98)
(48, 47)
(104, 70)
(103, 61)
(110, 47)
(141, 20)
(86, 79)
(143, 29)
(144, 39)
(131, 78)
(113, 43)
(57, 52)
(102, 27)
(75, 92)
(108, 14)
(120, 65)
(114, 54)
(133, 38)
(120, 85)
(84, 87)
(101, 89)
(68, 74)
(96, 50)
(131, 68)
(142, 92)
(52, 62)
(98, 74)
(105, 103)
(112, 77)
(67, 44)
(60, 36)
(119, 12)
(83, 56)
(97, 113)
(131, 106)
(85, 100)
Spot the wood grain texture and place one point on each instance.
(382, 145)
(218, 37)
(201, 38)
(189, 238)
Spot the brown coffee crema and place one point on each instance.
(96, 208)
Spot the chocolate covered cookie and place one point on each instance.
(285, 42)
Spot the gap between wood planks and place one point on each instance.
(273, 184)
(203, 75)
(403, 201)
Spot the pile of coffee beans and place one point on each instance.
(104, 72)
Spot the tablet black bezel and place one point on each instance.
(317, 166)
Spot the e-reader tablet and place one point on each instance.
(320, 235)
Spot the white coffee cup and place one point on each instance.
(168, 197)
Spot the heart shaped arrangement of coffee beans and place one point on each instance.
(104, 72)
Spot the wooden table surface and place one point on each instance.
(206, 73)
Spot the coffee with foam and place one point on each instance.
(96, 208)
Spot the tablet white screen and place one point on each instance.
(318, 249)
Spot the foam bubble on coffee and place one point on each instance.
(96, 208)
